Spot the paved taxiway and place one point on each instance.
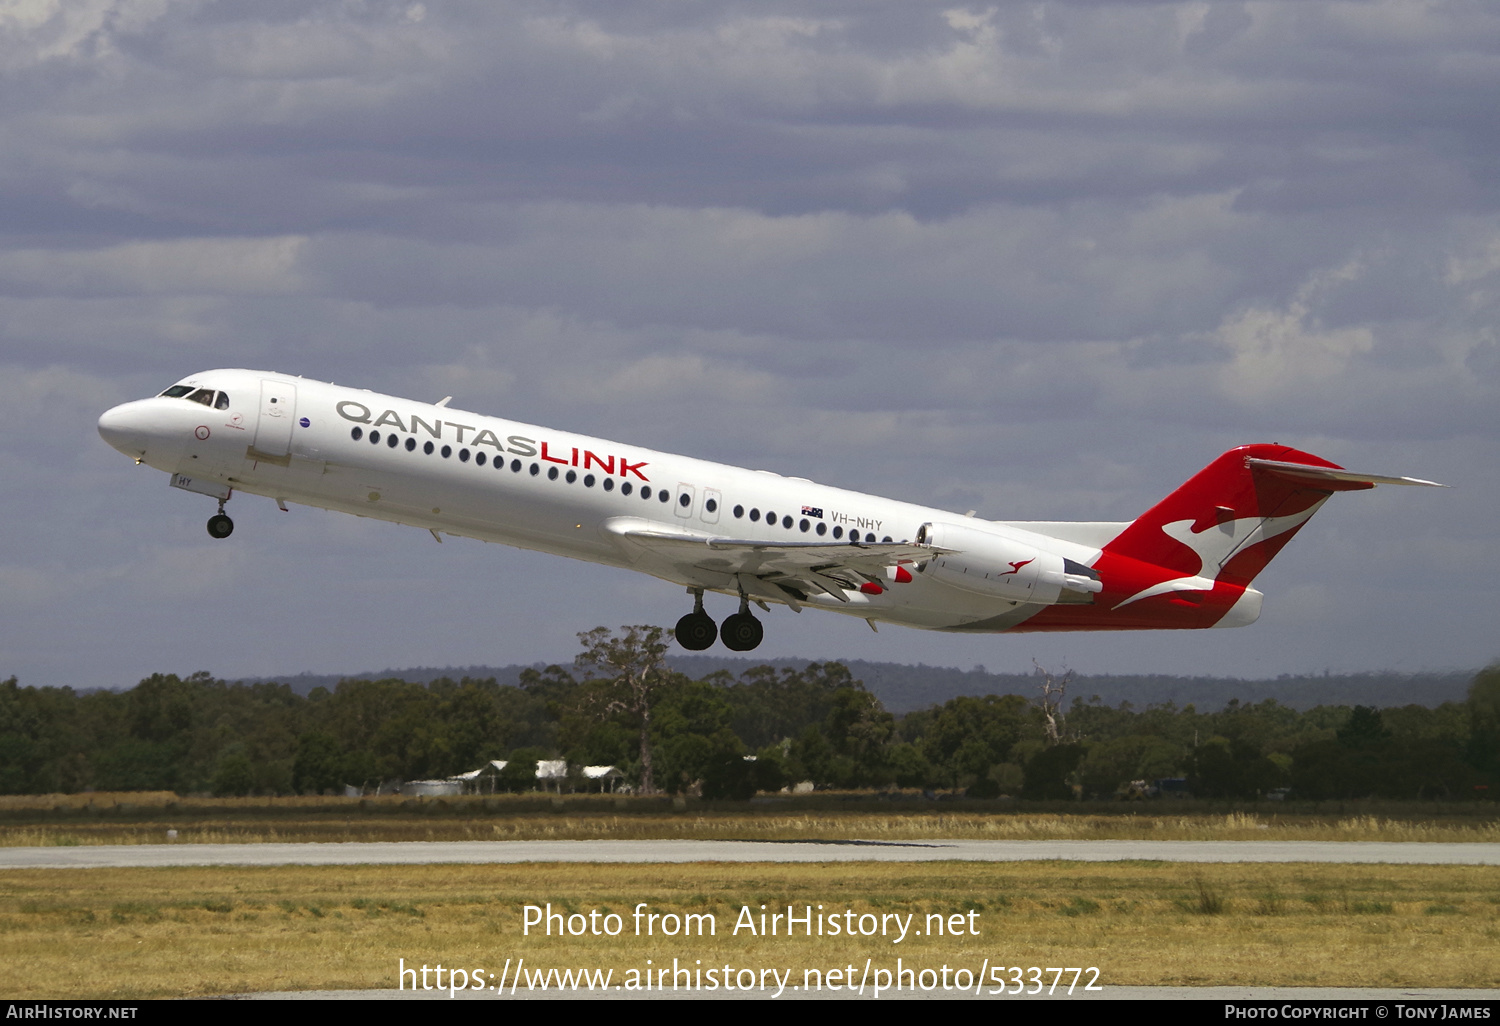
(482, 852)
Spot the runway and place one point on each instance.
(668, 851)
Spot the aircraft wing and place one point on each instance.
(767, 570)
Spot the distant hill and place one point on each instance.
(903, 688)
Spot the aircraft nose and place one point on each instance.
(124, 429)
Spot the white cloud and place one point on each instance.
(1284, 352)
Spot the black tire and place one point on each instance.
(220, 526)
(741, 632)
(696, 631)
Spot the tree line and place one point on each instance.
(621, 705)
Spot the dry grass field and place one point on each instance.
(133, 818)
(201, 931)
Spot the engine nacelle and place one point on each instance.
(991, 564)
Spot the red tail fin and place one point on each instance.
(1188, 561)
(1232, 517)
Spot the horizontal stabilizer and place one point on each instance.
(1313, 475)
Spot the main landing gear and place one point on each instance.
(697, 630)
(740, 632)
(220, 526)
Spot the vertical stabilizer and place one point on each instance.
(1232, 517)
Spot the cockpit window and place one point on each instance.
(206, 396)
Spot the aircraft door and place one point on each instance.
(683, 507)
(278, 408)
(712, 500)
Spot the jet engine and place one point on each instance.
(992, 564)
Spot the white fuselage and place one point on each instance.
(459, 473)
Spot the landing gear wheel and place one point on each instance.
(696, 631)
(220, 526)
(741, 632)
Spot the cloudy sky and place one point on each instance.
(1043, 261)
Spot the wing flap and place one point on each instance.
(764, 569)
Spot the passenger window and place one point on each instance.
(626, 487)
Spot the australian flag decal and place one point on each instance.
(813, 511)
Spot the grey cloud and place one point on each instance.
(1044, 261)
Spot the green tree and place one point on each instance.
(625, 675)
(851, 747)
(319, 763)
(1233, 768)
(965, 736)
(1483, 748)
(519, 773)
(234, 775)
(1363, 729)
(691, 732)
(1047, 774)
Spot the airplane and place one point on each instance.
(759, 537)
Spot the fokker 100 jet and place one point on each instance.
(759, 537)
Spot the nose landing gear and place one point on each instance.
(219, 525)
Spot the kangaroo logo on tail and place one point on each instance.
(1215, 545)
